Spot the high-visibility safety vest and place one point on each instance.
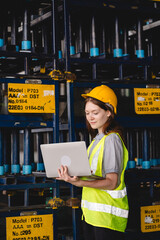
(105, 208)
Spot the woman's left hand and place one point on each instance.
(64, 175)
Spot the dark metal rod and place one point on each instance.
(94, 71)
(26, 44)
(80, 39)
(27, 133)
(116, 33)
(138, 144)
(74, 215)
(145, 145)
(131, 156)
(125, 41)
(103, 45)
(7, 149)
(15, 139)
(32, 162)
(56, 115)
(44, 39)
(26, 197)
(145, 72)
(70, 107)
(93, 33)
(67, 36)
(26, 65)
(70, 31)
(120, 71)
(26, 25)
(14, 28)
(139, 35)
(54, 33)
(39, 137)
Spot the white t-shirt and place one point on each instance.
(113, 154)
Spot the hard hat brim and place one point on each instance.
(85, 95)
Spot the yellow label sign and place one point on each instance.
(147, 100)
(150, 218)
(31, 98)
(39, 227)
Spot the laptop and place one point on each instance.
(70, 154)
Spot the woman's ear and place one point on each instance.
(108, 113)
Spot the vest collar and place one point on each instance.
(99, 136)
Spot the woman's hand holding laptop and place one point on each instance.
(63, 175)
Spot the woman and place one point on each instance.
(104, 201)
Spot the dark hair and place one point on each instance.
(110, 126)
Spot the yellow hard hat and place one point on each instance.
(103, 94)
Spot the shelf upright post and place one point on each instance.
(1, 152)
(56, 194)
(67, 36)
(70, 108)
(55, 66)
(56, 83)
(70, 102)
(55, 34)
(75, 214)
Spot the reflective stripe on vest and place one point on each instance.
(117, 193)
(95, 161)
(99, 207)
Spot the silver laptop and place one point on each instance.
(70, 154)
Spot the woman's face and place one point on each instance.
(96, 116)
